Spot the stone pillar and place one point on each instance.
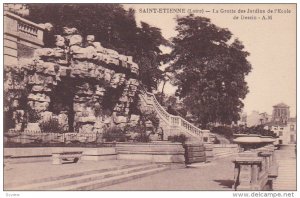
(209, 151)
(247, 171)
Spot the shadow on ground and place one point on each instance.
(226, 183)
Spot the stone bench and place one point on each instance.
(58, 157)
(7, 161)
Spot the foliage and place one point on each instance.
(209, 69)
(152, 116)
(177, 138)
(142, 137)
(259, 130)
(114, 27)
(216, 141)
(51, 125)
(8, 122)
(32, 115)
(226, 131)
(138, 131)
(114, 134)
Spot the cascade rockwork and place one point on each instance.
(85, 87)
(101, 82)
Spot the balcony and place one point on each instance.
(21, 37)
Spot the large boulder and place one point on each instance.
(86, 128)
(75, 40)
(60, 41)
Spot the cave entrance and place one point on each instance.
(62, 99)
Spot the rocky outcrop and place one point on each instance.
(93, 69)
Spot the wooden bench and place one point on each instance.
(70, 156)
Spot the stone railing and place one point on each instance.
(174, 122)
(29, 136)
(254, 169)
(21, 37)
(23, 29)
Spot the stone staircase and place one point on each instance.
(222, 154)
(172, 125)
(287, 174)
(90, 180)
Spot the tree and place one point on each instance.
(209, 69)
(114, 27)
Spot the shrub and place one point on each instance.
(226, 131)
(216, 141)
(33, 115)
(142, 137)
(51, 125)
(114, 134)
(152, 116)
(205, 139)
(178, 138)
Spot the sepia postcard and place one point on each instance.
(150, 97)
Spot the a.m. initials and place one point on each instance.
(267, 17)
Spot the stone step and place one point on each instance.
(97, 184)
(286, 179)
(17, 185)
(223, 156)
(285, 183)
(287, 163)
(286, 171)
(52, 185)
(224, 153)
(285, 188)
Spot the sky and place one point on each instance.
(271, 44)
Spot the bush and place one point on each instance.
(216, 141)
(51, 125)
(226, 131)
(178, 138)
(33, 116)
(152, 116)
(114, 134)
(142, 137)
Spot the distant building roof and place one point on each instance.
(281, 105)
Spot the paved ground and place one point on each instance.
(217, 175)
(39, 170)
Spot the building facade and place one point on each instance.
(283, 125)
(21, 38)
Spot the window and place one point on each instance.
(281, 128)
(280, 133)
(292, 127)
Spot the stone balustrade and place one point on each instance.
(174, 125)
(255, 168)
(21, 38)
